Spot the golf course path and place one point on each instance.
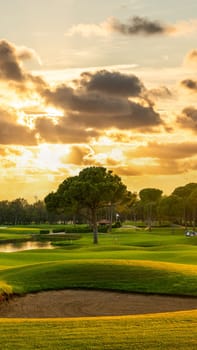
(80, 303)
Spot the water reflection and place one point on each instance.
(16, 247)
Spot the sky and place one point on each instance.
(97, 83)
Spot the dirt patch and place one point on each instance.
(78, 303)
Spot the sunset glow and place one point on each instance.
(108, 84)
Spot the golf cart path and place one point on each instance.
(82, 303)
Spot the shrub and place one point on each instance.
(78, 229)
(58, 230)
(44, 231)
(117, 224)
(103, 228)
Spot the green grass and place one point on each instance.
(123, 275)
(16, 234)
(177, 331)
(161, 262)
(156, 262)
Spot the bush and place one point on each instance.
(78, 229)
(58, 230)
(117, 224)
(44, 231)
(103, 228)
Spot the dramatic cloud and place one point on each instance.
(23, 53)
(102, 100)
(161, 92)
(169, 167)
(73, 100)
(10, 61)
(188, 119)
(78, 155)
(137, 117)
(63, 132)
(13, 133)
(133, 26)
(11, 68)
(113, 83)
(16, 134)
(166, 151)
(137, 25)
(190, 84)
(128, 171)
(81, 127)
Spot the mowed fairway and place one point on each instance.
(160, 262)
(151, 332)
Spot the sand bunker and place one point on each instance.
(78, 303)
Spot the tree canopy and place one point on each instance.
(93, 188)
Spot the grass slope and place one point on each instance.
(156, 262)
(177, 331)
(125, 275)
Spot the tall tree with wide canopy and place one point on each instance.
(149, 199)
(171, 208)
(192, 203)
(185, 192)
(93, 188)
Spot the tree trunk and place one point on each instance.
(194, 219)
(94, 225)
(150, 217)
(110, 217)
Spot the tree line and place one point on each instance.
(96, 194)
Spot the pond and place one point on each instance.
(16, 247)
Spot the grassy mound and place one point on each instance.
(123, 275)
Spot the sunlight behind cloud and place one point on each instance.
(117, 90)
(144, 161)
(48, 156)
(54, 112)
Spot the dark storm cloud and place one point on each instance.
(114, 83)
(188, 119)
(190, 84)
(138, 25)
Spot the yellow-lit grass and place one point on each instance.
(126, 275)
(167, 331)
(165, 266)
(5, 288)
